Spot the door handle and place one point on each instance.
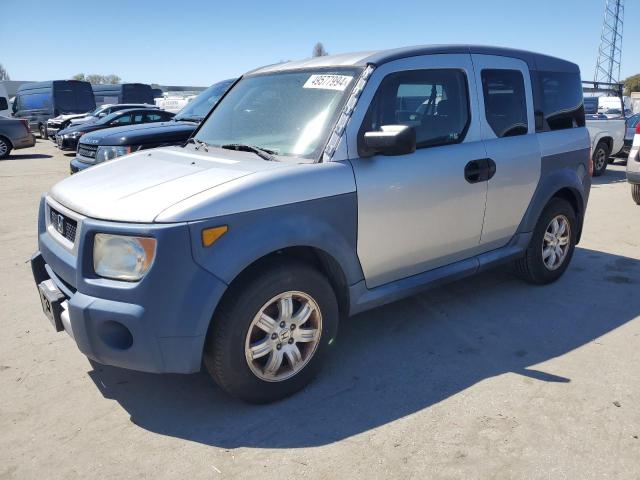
(479, 170)
(474, 170)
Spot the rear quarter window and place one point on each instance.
(559, 102)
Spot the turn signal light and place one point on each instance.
(211, 235)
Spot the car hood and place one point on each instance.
(138, 187)
(84, 127)
(130, 135)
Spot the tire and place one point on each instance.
(635, 193)
(43, 132)
(600, 158)
(5, 148)
(234, 332)
(533, 267)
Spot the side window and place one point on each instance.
(505, 102)
(123, 120)
(138, 117)
(559, 100)
(434, 102)
(154, 117)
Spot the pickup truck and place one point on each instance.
(607, 134)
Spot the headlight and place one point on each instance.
(104, 154)
(74, 134)
(122, 257)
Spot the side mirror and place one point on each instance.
(391, 140)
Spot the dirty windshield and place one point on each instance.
(287, 113)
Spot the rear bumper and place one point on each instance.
(24, 142)
(156, 325)
(633, 167)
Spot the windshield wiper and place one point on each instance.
(199, 144)
(188, 119)
(263, 153)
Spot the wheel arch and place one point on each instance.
(8, 140)
(562, 183)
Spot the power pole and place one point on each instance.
(610, 51)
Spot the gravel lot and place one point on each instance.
(485, 378)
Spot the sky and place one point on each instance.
(200, 42)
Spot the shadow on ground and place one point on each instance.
(399, 359)
(28, 156)
(610, 176)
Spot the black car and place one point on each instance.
(106, 145)
(67, 139)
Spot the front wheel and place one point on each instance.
(551, 246)
(43, 132)
(271, 332)
(600, 158)
(635, 193)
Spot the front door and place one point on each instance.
(423, 210)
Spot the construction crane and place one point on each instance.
(610, 51)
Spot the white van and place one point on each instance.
(4, 101)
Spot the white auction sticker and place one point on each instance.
(328, 82)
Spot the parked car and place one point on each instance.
(313, 191)
(632, 123)
(63, 121)
(607, 131)
(14, 134)
(40, 101)
(4, 101)
(67, 139)
(123, 93)
(104, 145)
(633, 165)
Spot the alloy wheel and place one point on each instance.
(556, 242)
(283, 336)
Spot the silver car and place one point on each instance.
(316, 190)
(14, 134)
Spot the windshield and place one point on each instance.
(198, 108)
(289, 113)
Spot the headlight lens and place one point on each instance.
(104, 154)
(122, 257)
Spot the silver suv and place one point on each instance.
(313, 191)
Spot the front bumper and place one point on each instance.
(67, 143)
(155, 325)
(76, 165)
(51, 132)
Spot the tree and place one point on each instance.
(112, 79)
(319, 51)
(3, 73)
(632, 84)
(96, 79)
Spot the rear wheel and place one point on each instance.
(600, 158)
(551, 246)
(271, 332)
(5, 148)
(635, 193)
(43, 132)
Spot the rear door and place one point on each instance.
(508, 130)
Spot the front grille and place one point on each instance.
(64, 225)
(88, 151)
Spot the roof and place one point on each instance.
(47, 84)
(536, 61)
(116, 86)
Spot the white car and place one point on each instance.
(607, 139)
(633, 166)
